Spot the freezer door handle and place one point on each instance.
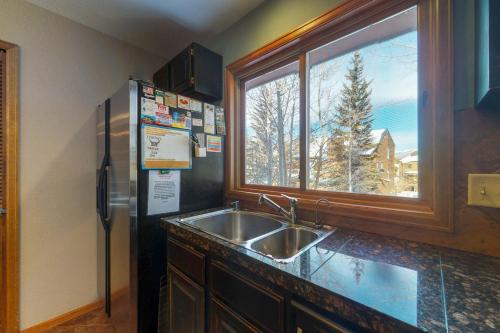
(107, 210)
(102, 194)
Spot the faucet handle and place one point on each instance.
(261, 199)
(291, 200)
(235, 205)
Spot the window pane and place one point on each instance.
(362, 99)
(272, 128)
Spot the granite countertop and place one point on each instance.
(380, 283)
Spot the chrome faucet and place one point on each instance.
(293, 202)
(317, 222)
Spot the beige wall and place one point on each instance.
(66, 70)
(264, 24)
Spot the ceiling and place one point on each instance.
(162, 27)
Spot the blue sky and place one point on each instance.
(391, 66)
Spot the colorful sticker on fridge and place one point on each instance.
(183, 102)
(209, 118)
(160, 97)
(170, 99)
(163, 116)
(214, 144)
(220, 122)
(198, 122)
(148, 110)
(181, 119)
(196, 106)
(148, 91)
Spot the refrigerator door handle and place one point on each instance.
(107, 210)
(102, 194)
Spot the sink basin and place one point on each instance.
(259, 232)
(288, 243)
(236, 226)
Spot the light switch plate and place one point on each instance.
(484, 190)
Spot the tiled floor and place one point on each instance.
(95, 322)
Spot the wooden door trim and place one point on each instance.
(9, 300)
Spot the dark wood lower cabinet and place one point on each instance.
(305, 320)
(186, 304)
(223, 320)
(263, 306)
(237, 303)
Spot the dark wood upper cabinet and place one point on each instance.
(195, 72)
(488, 54)
(186, 303)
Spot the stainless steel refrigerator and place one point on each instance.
(131, 244)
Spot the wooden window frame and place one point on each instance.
(9, 292)
(434, 209)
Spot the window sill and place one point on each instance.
(408, 212)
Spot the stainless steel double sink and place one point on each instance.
(262, 233)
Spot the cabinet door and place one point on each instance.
(305, 320)
(180, 71)
(262, 306)
(186, 303)
(224, 320)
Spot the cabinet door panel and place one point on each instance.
(186, 303)
(187, 260)
(224, 320)
(180, 71)
(305, 320)
(264, 307)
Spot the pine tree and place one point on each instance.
(352, 142)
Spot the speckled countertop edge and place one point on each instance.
(461, 315)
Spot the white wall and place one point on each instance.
(66, 70)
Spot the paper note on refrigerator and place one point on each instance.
(163, 191)
(148, 110)
(195, 106)
(198, 122)
(209, 120)
(220, 121)
(170, 99)
(165, 148)
(183, 102)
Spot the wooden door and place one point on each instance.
(9, 231)
(186, 303)
(2, 222)
(224, 320)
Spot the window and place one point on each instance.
(346, 108)
(362, 97)
(272, 128)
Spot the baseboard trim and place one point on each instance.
(64, 317)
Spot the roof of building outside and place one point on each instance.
(376, 138)
(409, 159)
(404, 153)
